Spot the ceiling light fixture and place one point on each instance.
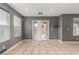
(26, 9)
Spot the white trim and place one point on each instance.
(11, 48)
(60, 41)
(70, 42)
(32, 29)
(48, 29)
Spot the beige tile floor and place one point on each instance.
(49, 47)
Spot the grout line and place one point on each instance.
(39, 44)
(24, 51)
(32, 50)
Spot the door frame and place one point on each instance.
(33, 30)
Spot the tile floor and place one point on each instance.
(49, 47)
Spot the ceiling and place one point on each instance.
(45, 9)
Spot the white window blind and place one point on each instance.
(17, 26)
(76, 27)
(4, 25)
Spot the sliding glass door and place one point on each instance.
(40, 29)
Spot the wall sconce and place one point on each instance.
(56, 26)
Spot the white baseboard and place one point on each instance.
(11, 48)
(60, 41)
(70, 42)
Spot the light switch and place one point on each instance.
(51, 28)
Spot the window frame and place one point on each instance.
(17, 26)
(6, 25)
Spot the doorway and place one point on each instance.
(40, 29)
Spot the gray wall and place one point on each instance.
(67, 22)
(27, 29)
(13, 40)
(27, 26)
(53, 34)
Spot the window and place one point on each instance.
(76, 27)
(4, 25)
(17, 26)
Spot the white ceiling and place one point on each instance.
(48, 9)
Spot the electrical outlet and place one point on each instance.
(3, 47)
(68, 28)
(54, 37)
(52, 29)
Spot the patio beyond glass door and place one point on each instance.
(40, 29)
